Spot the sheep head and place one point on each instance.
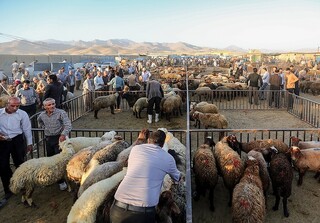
(295, 153)
(295, 140)
(108, 135)
(144, 134)
(167, 203)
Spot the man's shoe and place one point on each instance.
(3, 202)
(8, 195)
(63, 186)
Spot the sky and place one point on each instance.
(249, 24)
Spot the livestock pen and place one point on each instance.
(303, 109)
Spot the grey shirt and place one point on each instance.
(58, 123)
(154, 89)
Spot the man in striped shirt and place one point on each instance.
(57, 126)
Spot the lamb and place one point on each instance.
(229, 165)
(104, 102)
(248, 202)
(304, 144)
(107, 154)
(131, 97)
(171, 104)
(263, 170)
(205, 171)
(281, 175)
(140, 104)
(101, 172)
(85, 208)
(166, 208)
(258, 145)
(307, 159)
(43, 171)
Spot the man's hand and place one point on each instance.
(62, 138)
(29, 148)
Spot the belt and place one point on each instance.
(132, 207)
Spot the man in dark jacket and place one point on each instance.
(54, 90)
(275, 83)
(255, 82)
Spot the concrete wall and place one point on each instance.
(7, 60)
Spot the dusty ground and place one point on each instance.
(54, 205)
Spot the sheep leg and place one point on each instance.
(301, 174)
(317, 175)
(285, 207)
(112, 109)
(96, 114)
(276, 206)
(180, 111)
(211, 196)
(139, 114)
(196, 194)
(230, 197)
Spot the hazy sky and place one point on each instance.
(267, 24)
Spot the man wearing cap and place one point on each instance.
(29, 98)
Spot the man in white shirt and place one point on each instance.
(98, 82)
(15, 128)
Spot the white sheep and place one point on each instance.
(104, 102)
(101, 172)
(140, 104)
(171, 105)
(107, 154)
(85, 208)
(304, 144)
(43, 171)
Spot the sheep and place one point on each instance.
(216, 121)
(140, 104)
(4, 100)
(229, 164)
(281, 175)
(166, 208)
(305, 86)
(248, 202)
(101, 172)
(79, 143)
(263, 169)
(171, 104)
(85, 208)
(303, 160)
(258, 145)
(104, 102)
(124, 155)
(203, 107)
(132, 97)
(77, 164)
(204, 91)
(109, 153)
(304, 144)
(43, 171)
(315, 88)
(205, 171)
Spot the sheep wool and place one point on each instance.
(107, 154)
(43, 171)
(101, 172)
(85, 208)
(140, 104)
(248, 202)
(104, 102)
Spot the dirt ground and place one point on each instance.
(54, 205)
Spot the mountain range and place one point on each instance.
(112, 47)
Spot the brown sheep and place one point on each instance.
(303, 160)
(248, 201)
(229, 164)
(205, 171)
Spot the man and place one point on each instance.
(87, 92)
(15, 139)
(132, 82)
(57, 126)
(15, 67)
(71, 81)
(40, 86)
(291, 79)
(78, 76)
(154, 95)
(255, 81)
(296, 84)
(117, 84)
(275, 86)
(138, 193)
(62, 76)
(54, 90)
(145, 75)
(29, 98)
(265, 83)
(98, 82)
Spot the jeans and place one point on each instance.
(120, 215)
(261, 91)
(253, 92)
